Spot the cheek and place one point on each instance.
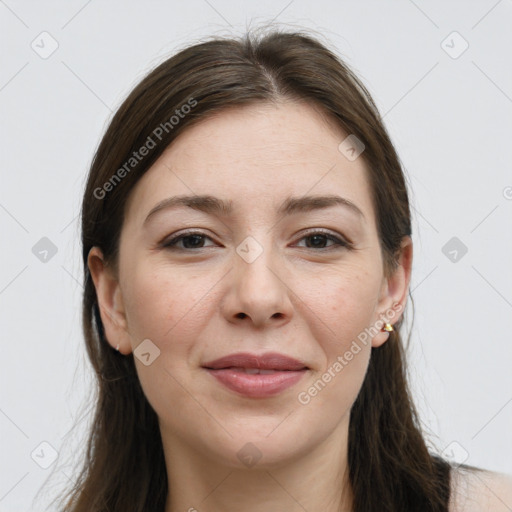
(340, 306)
(164, 306)
(338, 315)
(171, 309)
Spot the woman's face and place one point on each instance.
(273, 271)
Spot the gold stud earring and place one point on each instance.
(388, 328)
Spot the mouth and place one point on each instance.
(251, 371)
(257, 376)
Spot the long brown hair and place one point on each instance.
(390, 466)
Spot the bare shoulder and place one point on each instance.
(478, 490)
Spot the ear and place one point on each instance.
(110, 301)
(393, 293)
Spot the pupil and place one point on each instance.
(319, 238)
(197, 238)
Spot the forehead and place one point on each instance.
(253, 154)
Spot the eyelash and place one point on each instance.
(339, 243)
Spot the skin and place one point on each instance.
(296, 299)
(303, 300)
(480, 491)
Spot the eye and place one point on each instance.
(191, 240)
(318, 239)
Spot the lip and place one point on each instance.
(267, 361)
(283, 372)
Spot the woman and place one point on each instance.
(247, 247)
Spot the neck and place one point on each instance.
(316, 480)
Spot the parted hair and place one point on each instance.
(390, 466)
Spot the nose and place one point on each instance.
(259, 292)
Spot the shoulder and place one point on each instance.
(479, 490)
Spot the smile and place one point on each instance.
(257, 383)
(256, 376)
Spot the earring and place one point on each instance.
(117, 348)
(388, 328)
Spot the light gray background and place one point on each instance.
(450, 119)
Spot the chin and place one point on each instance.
(263, 443)
(263, 453)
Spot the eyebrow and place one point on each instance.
(214, 205)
